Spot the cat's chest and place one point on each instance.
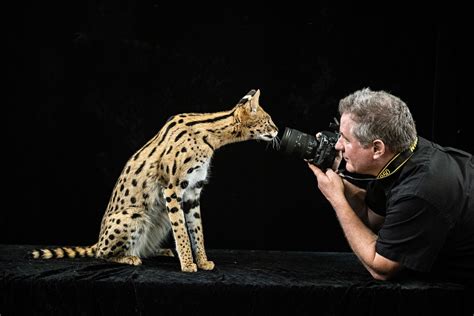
(198, 173)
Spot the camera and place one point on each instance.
(320, 151)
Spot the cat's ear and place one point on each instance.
(250, 101)
(254, 101)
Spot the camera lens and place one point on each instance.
(294, 142)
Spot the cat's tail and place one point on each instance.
(64, 252)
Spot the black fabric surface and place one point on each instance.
(244, 282)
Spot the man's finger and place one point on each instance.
(315, 169)
(332, 174)
(337, 161)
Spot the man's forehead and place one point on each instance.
(345, 122)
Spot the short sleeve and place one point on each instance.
(375, 199)
(413, 234)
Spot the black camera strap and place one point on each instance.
(396, 162)
(391, 167)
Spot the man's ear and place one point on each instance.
(378, 146)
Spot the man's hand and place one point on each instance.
(337, 159)
(330, 184)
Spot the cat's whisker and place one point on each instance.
(276, 143)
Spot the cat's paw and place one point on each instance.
(131, 260)
(191, 267)
(206, 265)
(165, 252)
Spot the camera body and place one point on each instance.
(320, 151)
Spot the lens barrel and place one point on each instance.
(299, 144)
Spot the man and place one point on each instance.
(417, 214)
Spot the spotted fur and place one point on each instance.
(159, 188)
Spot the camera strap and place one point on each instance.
(392, 166)
(396, 162)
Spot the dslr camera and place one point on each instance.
(319, 151)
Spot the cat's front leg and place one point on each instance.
(192, 212)
(173, 196)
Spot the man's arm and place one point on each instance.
(356, 198)
(361, 239)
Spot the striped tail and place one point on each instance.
(64, 252)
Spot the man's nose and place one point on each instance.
(338, 145)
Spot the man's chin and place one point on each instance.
(350, 168)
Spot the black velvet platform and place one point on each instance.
(243, 283)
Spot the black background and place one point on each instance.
(90, 82)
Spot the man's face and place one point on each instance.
(358, 159)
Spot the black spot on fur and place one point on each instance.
(215, 119)
(207, 143)
(184, 184)
(141, 167)
(166, 132)
(200, 184)
(151, 152)
(190, 204)
(179, 135)
(174, 209)
(136, 215)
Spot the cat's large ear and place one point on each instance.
(254, 101)
(250, 101)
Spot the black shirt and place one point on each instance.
(428, 205)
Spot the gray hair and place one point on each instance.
(379, 115)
